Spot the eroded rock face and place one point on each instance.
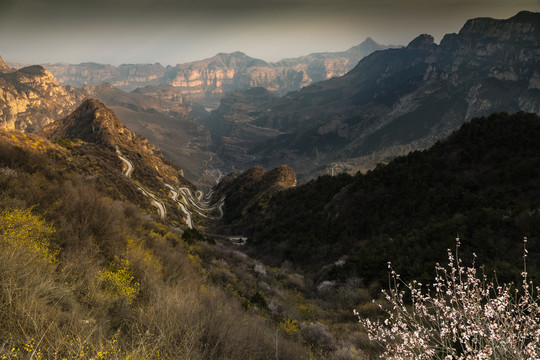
(207, 80)
(125, 76)
(31, 98)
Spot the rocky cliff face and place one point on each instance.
(207, 80)
(210, 79)
(125, 76)
(398, 100)
(31, 98)
(324, 66)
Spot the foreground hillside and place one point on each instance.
(482, 184)
(87, 268)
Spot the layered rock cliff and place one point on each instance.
(31, 98)
(125, 76)
(207, 80)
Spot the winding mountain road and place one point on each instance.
(200, 202)
(174, 197)
(211, 171)
(153, 199)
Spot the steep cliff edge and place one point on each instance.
(31, 98)
(3, 67)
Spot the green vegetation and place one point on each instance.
(482, 183)
(190, 236)
(67, 143)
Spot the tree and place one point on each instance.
(460, 316)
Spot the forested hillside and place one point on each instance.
(482, 184)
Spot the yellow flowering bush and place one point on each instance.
(290, 326)
(21, 229)
(118, 281)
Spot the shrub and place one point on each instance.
(118, 282)
(318, 336)
(460, 316)
(192, 235)
(21, 229)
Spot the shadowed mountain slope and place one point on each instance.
(482, 184)
(395, 100)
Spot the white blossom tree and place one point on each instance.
(460, 316)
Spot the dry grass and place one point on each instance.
(119, 285)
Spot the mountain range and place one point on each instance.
(31, 98)
(392, 102)
(205, 81)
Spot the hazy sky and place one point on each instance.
(177, 31)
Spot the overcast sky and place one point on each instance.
(178, 31)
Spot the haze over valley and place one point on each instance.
(234, 180)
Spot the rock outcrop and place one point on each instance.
(31, 98)
(93, 122)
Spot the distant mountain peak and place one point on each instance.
(238, 53)
(369, 41)
(3, 66)
(423, 41)
(525, 15)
